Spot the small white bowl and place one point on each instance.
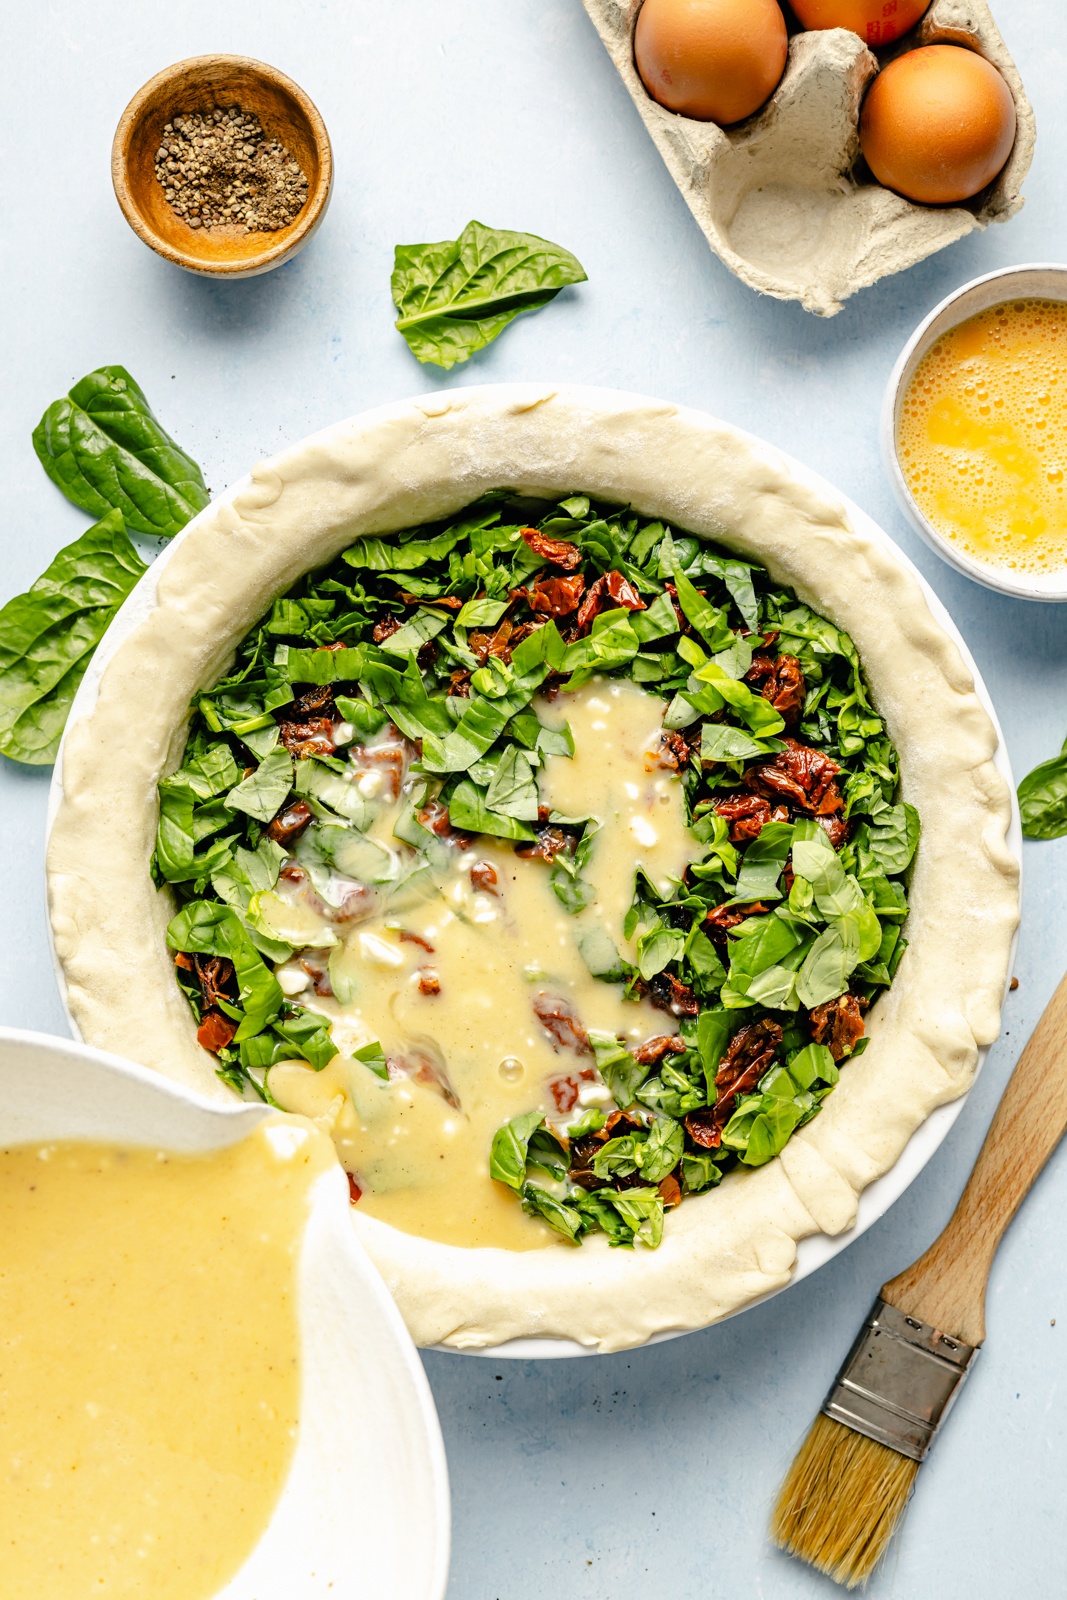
(1035, 281)
(364, 1512)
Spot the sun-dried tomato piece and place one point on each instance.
(289, 824)
(838, 1024)
(670, 994)
(483, 876)
(720, 919)
(459, 683)
(670, 1191)
(355, 1193)
(317, 700)
(746, 1058)
(215, 1031)
(561, 552)
(451, 602)
(672, 752)
(562, 1024)
(311, 738)
(748, 815)
(385, 628)
(802, 775)
(434, 816)
(781, 681)
(836, 829)
(429, 982)
(610, 589)
(653, 1050)
(556, 597)
(216, 977)
(320, 979)
(407, 937)
(551, 842)
(565, 1090)
(704, 1128)
(292, 873)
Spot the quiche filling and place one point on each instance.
(548, 857)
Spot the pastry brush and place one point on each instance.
(850, 1483)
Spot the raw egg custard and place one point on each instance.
(982, 438)
(548, 858)
(150, 1383)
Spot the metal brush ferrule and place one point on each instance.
(899, 1381)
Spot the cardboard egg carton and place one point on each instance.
(784, 198)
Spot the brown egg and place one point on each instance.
(876, 21)
(717, 60)
(937, 124)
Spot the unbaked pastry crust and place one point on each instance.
(415, 461)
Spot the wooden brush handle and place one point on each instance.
(946, 1286)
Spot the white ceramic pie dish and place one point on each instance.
(1037, 280)
(450, 447)
(365, 1509)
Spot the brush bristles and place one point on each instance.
(841, 1501)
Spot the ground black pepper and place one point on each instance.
(220, 167)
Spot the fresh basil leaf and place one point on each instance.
(658, 622)
(597, 1212)
(811, 1065)
(769, 1130)
(894, 835)
(708, 620)
(328, 793)
(721, 742)
(700, 1172)
(762, 942)
(657, 948)
(714, 1026)
(373, 1057)
(467, 810)
(481, 613)
(829, 963)
(383, 555)
(738, 580)
(204, 927)
(1043, 799)
(548, 1153)
(622, 1074)
(457, 296)
(661, 1151)
(642, 1210)
(762, 864)
(537, 1202)
(306, 1036)
(617, 1158)
(703, 958)
(48, 635)
(513, 790)
(104, 448)
(320, 666)
(366, 719)
(425, 625)
(263, 794)
(507, 1156)
(544, 647)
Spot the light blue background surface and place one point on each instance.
(647, 1474)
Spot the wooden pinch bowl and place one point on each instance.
(204, 83)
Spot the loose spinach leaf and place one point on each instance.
(467, 809)
(1043, 799)
(48, 635)
(457, 296)
(102, 445)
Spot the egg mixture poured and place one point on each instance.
(475, 994)
(149, 1361)
(983, 436)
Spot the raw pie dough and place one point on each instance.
(413, 462)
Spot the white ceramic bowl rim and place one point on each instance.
(813, 1251)
(1039, 280)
